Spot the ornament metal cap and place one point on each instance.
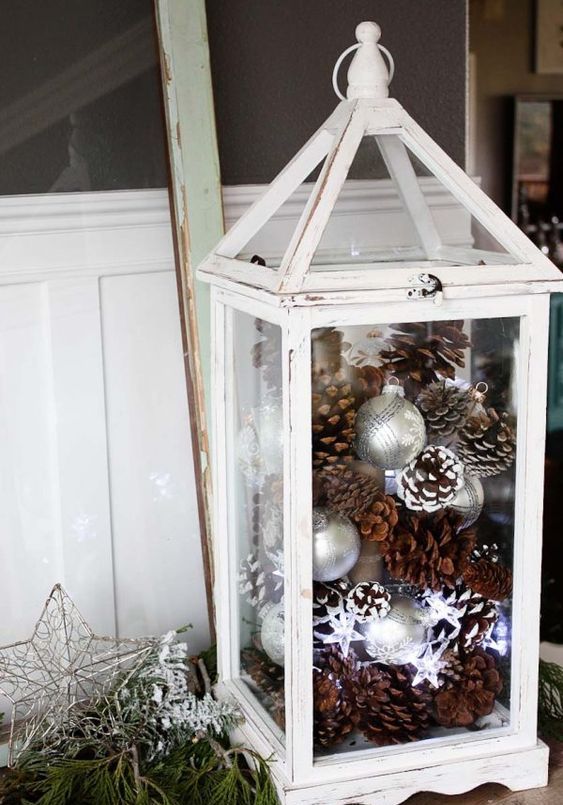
(393, 388)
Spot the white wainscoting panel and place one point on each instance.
(97, 486)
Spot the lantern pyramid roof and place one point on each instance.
(371, 134)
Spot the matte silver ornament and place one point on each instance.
(469, 501)
(390, 430)
(398, 638)
(336, 545)
(272, 634)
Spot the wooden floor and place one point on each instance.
(490, 794)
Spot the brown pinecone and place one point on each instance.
(487, 444)
(444, 408)
(347, 492)
(378, 522)
(327, 600)
(338, 390)
(477, 617)
(489, 579)
(259, 580)
(419, 353)
(469, 691)
(267, 675)
(387, 708)
(332, 709)
(428, 550)
(368, 600)
(431, 480)
(266, 353)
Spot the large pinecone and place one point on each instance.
(476, 616)
(338, 390)
(431, 480)
(487, 444)
(260, 581)
(267, 675)
(266, 353)
(469, 691)
(348, 492)
(377, 523)
(444, 407)
(489, 579)
(428, 550)
(332, 707)
(420, 353)
(328, 600)
(387, 708)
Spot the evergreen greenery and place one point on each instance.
(550, 700)
(149, 741)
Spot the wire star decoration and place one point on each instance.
(62, 663)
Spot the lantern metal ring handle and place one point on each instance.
(350, 50)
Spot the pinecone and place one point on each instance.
(368, 600)
(487, 444)
(260, 581)
(338, 390)
(327, 601)
(489, 579)
(387, 708)
(469, 690)
(431, 480)
(347, 492)
(267, 675)
(266, 353)
(428, 550)
(419, 353)
(445, 408)
(477, 617)
(332, 709)
(378, 522)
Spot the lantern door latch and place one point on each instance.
(426, 286)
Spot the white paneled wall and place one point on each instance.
(97, 485)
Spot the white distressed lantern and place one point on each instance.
(402, 292)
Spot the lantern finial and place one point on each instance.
(368, 75)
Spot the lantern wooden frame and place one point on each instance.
(299, 300)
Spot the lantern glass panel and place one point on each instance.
(415, 217)
(414, 476)
(271, 240)
(256, 507)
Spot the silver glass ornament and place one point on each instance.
(398, 638)
(260, 442)
(336, 545)
(469, 501)
(390, 430)
(272, 634)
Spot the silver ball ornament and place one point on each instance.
(272, 634)
(260, 442)
(336, 545)
(469, 501)
(397, 638)
(390, 430)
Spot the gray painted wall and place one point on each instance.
(272, 63)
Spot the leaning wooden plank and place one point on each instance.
(197, 215)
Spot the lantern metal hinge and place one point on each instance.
(426, 286)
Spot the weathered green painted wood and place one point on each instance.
(197, 207)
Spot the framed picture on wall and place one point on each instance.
(549, 36)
